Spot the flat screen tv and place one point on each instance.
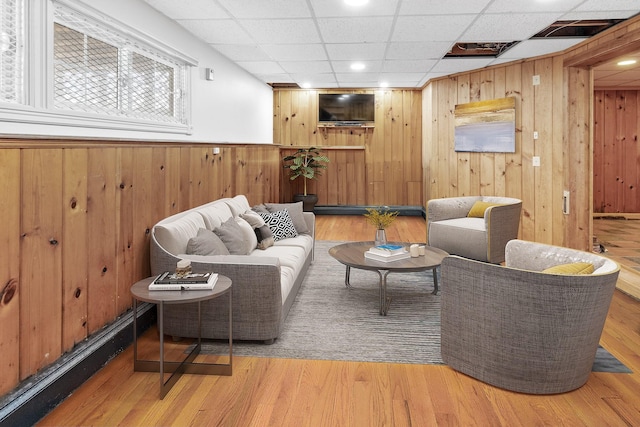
(346, 108)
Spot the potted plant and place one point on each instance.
(381, 218)
(308, 164)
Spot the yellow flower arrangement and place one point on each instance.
(381, 218)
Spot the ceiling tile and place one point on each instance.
(510, 6)
(537, 47)
(189, 9)
(456, 65)
(610, 5)
(613, 14)
(442, 7)
(408, 66)
(355, 51)
(242, 52)
(431, 28)
(263, 67)
(507, 27)
(221, 31)
(417, 50)
(282, 30)
(355, 30)
(345, 67)
(338, 8)
(266, 9)
(304, 67)
(295, 52)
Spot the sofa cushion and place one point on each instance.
(234, 238)
(174, 233)
(571, 268)
(280, 224)
(215, 214)
(238, 204)
(206, 243)
(295, 212)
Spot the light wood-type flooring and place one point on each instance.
(282, 392)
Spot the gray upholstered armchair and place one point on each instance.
(519, 328)
(462, 226)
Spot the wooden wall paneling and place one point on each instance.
(543, 148)
(127, 259)
(146, 210)
(359, 168)
(557, 153)
(599, 125)
(185, 178)
(199, 176)
(427, 138)
(41, 259)
(630, 144)
(618, 187)
(463, 165)
(284, 122)
(500, 159)
(475, 166)
(395, 187)
(610, 152)
(528, 151)
(172, 180)
(444, 150)
(488, 164)
(10, 280)
(577, 149)
(513, 161)
(101, 237)
(74, 254)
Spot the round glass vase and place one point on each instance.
(381, 237)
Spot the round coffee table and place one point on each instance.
(352, 255)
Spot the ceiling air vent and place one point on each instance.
(579, 28)
(284, 85)
(491, 49)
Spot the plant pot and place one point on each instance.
(308, 202)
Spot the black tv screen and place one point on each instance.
(346, 107)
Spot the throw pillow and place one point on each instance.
(260, 208)
(206, 243)
(280, 224)
(233, 237)
(571, 268)
(253, 219)
(248, 233)
(264, 236)
(295, 212)
(478, 208)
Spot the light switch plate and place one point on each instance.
(536, 80)
(536, 161)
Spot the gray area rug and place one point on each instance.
(328, 321)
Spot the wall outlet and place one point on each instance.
(216, 150)
(536, 161)
(535, 135)
(536, 80)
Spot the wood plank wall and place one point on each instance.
(75, 229)
(380, 165)
(616, 151)
(538, 108)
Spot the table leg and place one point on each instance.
(384, 300)
(435, 281)
(346, 277)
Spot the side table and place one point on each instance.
(140, 292)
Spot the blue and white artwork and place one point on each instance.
(495, 137)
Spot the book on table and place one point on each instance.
(387, 258)
(388, 249)
(169, 281)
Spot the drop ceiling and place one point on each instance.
(402, 43)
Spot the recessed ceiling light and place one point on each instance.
(306, 85)
(357, 66)
(384, 84)
(356, 2)
(627, 62)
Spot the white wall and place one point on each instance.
(234, 108)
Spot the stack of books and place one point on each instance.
(169, 281)
(387, 253)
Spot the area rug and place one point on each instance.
(329, 321)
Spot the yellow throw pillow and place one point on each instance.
(478, 208)
(572, 268)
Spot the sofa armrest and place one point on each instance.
(502, 224)
(450, 207)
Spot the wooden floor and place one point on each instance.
(282, 392)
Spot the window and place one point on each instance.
(98, 70)
(11, 51)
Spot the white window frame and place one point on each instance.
(39, 79)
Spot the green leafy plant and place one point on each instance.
(381, 218)
(307, 163)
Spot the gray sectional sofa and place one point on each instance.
(265, 281)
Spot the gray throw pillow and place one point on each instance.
(264, 236)
(260, 208)
(295, 212)
(206, 243)
(233, 237)
(280, 224)
(253, 219)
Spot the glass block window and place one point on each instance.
(12, 51)
(98, 70)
